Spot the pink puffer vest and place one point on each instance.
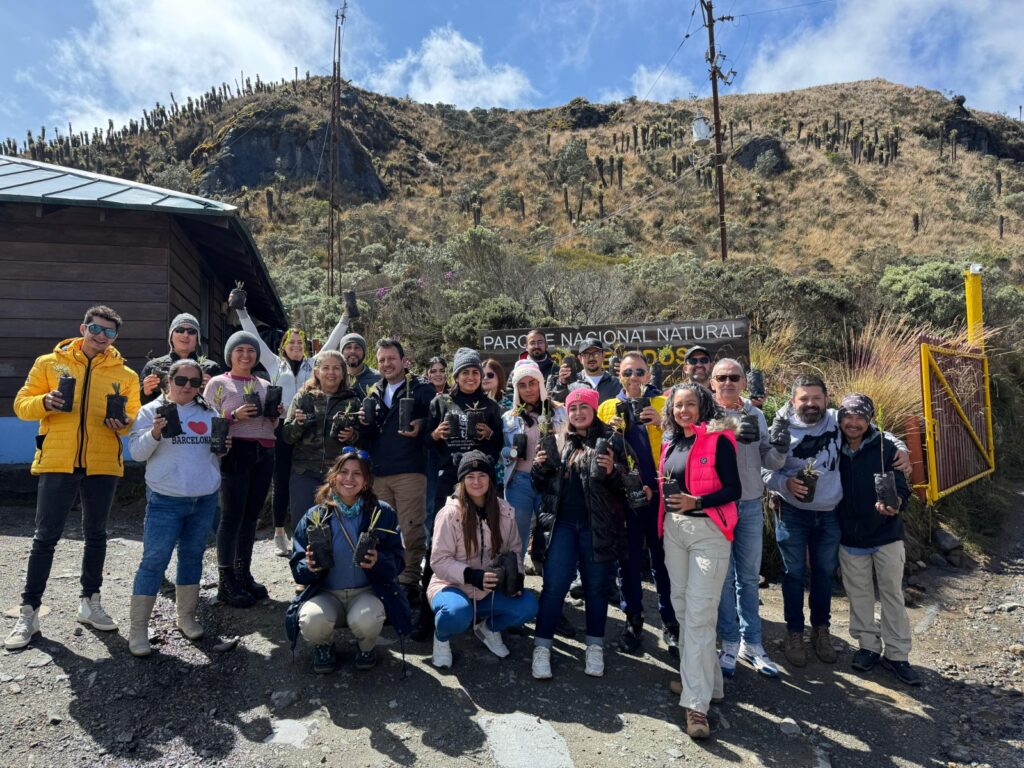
(702, 478)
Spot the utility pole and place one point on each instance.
(332, 136)
(716, 73)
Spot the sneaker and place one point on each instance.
(595, 660)
(366, 659)
(757, 657)
(671, 637)
(91, 612)
(324, 661)
(576, 589)
(821, 640)
(541, 667)
(727, 658)
(26, 628)
(442, 657)
(631, 638)
(903, 671)
(282, 546)
(697, 725)
(565, 628)
(865, 660)
(491, 639)
(795, 650)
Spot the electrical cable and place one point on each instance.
(686, 37)
(784, 8)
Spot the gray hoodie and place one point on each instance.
(750, 457)
(182, 466)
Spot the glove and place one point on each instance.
(474, 577)
(778, 434)
(748, 433)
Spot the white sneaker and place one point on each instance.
(24, 630)
(757, 657)
(442, 654)
(91, 612)
(282, 547)
(595, 661)
(541, 666)
(727, 658)
(491, 639)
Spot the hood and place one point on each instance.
(73, 347)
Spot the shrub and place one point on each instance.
(464, 328)
(768, 164)
(1015, 203)
(572, 162)
(930, 292)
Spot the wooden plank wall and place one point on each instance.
(188, 271)
(54, 265)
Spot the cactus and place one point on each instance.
(618, 163)
(565, 201)
(600, 203)
(270, 203)
(999, 183)
(915, 222)
(522, 207)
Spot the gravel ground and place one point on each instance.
(75, 697)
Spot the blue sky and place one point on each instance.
(85, 61)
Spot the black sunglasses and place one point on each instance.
(182, 381)
(733, 377)
(490, 375)
(189, 331)
(698, 360)
(96, 329)
(637, 372)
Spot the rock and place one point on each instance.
(989, 609)
(282, 699)
(955, 558)
(228, 645)
(937, 560)
(39, 660)
(1004, 607)
(946, 541)
(789, 727)
(746, 156)
(915, 551)
(1017, 649)
(921, 564)
(53, 718)
(14, 688)
(674, 753)
(124, 737)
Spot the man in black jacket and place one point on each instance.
(183, 339)
(591, 353)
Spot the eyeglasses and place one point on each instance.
(189, 331)
(490, 375)
(96, 329)
(592, 353)
(698, 360)
(359, 452)
(631, 372)
(733, 377)
(183, 381)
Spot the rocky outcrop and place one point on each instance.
(746, 156)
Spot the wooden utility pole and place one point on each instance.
(332, 137)
(719, 159)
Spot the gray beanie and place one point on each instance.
(240, 337)
(466, 358)
(350, 338)
(185, 320)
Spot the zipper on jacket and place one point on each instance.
(82, 434)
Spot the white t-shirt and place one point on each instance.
(593, 379)
(389, 392)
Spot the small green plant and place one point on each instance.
(249, 388)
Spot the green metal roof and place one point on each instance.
(29, 181)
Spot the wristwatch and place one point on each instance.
(698, 503)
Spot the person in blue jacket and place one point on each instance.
(363, 594)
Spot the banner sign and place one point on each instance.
(667, 342)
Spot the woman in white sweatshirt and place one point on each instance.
(182, 483)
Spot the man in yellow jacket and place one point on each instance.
(78, 453)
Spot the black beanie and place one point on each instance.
(466, 358)
(476, 461)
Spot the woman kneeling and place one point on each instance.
(472, 581)
(362, 593)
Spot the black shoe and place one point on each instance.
(248, 583)
(865, 660)
(903, 671)
(631, 638)
(324, 660)
(366, 659)
(565, 628)
(671, 637)
(230, 592)
(614, 594)
(424, 630)
(576, 589)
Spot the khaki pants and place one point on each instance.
(887, 566)
(361, 610)
(407, 493)
(697, 559)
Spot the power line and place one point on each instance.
(670, 58)
(784, 8)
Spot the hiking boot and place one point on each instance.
(24, 630)
(138, 627)
(565, 628)
(727, 658)
(491, 639)
(248, 583)
(594, 660)
(282, 546)
(697, 725)
(366, 660)
(671, 637)
(324, 660)
(91, 612)
(794, 649)
(903, 671)
(230, 592)
(442, 656)
(865, 660)
(576, 589)
(185, 599)
(632, 635)
(822, 642)
(757, 657)
(541, 666)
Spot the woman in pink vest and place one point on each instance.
(700, 484)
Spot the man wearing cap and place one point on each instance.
(353, 351)
(697, 365)
(591, 353)
(183, 338)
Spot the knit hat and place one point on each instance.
(856, 404)
(185, 320)
(476, 461)
(240, 337)
(589, 343)
(466, 358)
(581, 393)
(526, 369)
(350, 338)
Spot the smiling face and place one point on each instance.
(727, 392)
(477, 485)
(809, 403)
(536, 346)
(854, 428)
(697, 367)
(593, 360)
(330, 373)
(581, 416)
(293, 347)
(95, 343)
(184, 340)
(635, 365)
(184, 394)
(468, 380)
(349, 482)
(686, 410)
(490, 379)
(389, 363)
(529, 390)
(437, 376)
(243, 358)
(354, 355)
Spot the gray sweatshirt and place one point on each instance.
(181, 466)
(751, 457)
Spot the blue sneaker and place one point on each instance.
(727, 658)
(757, 657)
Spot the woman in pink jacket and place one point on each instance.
(478, 577)
(700, 484)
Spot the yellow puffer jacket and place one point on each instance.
(79, 438)
(606, 412)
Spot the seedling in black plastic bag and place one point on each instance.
(219, 425)
(238, 296)
(251, 397)
(169, 411)
(808, 475)
(66, 386)
(405, 406)
(116, 405)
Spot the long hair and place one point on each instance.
(287, 337)
(324, 492)
(469, 518)
(313, 382)
(708, 408)
(499, 372)
(596, 427)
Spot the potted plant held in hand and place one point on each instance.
(66, 386)
(548, 441)
(885, 482)
(272, 401)
(405, 406)
(116, 404)
(475, 416)
(169, 411)
(808, 475)
(320, 538)
(219, 425)
(238, 296)
(369, 539)
(251, 397)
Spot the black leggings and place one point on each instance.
(282, 479)
(246, 472)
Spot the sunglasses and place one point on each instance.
(186, 381)
(698, 360)
(96, 329)
(733, 377)
(637, 372)
(359, 452)
(189, 331)
(490, 375)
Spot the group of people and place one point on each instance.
(416, 499)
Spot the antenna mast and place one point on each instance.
(333, 134)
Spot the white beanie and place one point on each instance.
(526, 369)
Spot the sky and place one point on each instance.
(87, 61)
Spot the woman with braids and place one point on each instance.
(475, 528)
(700, 485)
(361, 595)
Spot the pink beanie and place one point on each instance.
(582, 394)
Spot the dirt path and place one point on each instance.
(76, 698)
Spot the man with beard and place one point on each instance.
(806, 526)
(697, 365)
(353, 350)
(591, 353)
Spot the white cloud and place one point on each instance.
(645, 82)
(448, 68)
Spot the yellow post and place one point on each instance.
(972, 292)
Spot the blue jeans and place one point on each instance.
(572, 547)
(738, 615)
(171, 520)
(519, 492)
(641, 528)
(801, 532)
(454, 611)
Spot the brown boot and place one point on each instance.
(822, 642)
(697, 725)
(795, 650)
